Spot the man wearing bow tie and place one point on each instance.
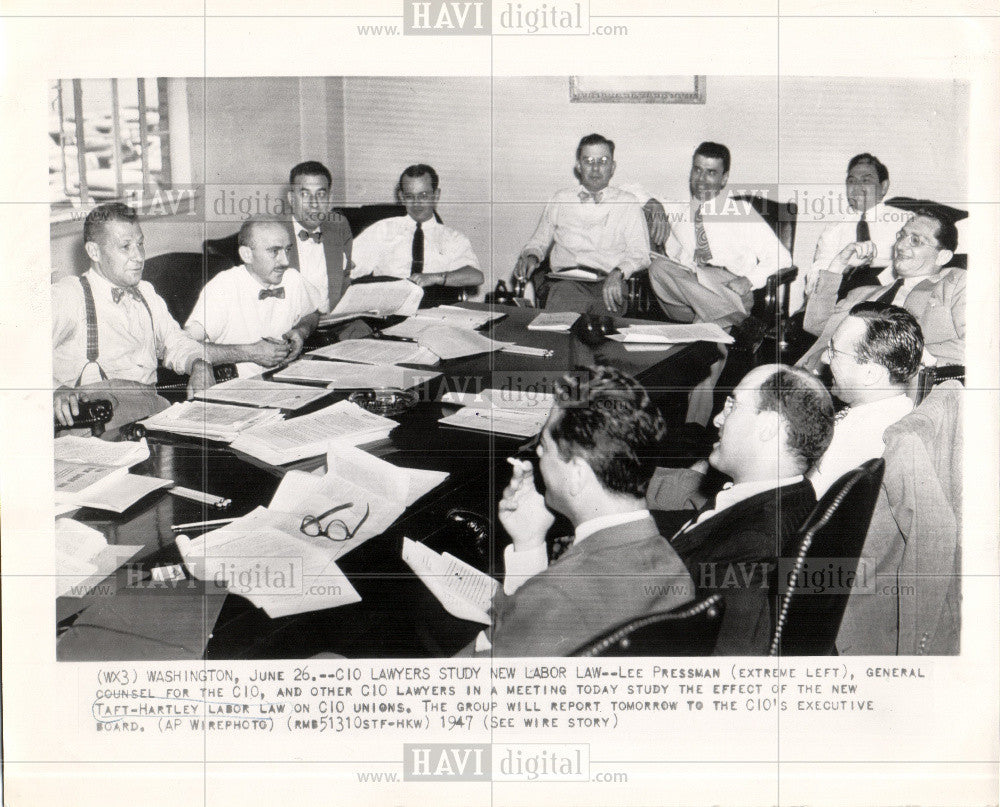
(110, 328)
(258, 314)
(322, 243)
(594, 228)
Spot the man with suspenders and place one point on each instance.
(110, 328)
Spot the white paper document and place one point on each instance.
(672, 334)
(342, 375)
(513, 422)
(310, 435)
(376, 351)
(503, 399)
(559, 321)
(392, 298)
(464, 591)
(449, 342)
(213, 421)
(93, 450)
(84, 557)
(259, 393)
(459, 317)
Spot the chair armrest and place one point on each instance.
(784, 276)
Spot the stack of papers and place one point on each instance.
(669, 334)
(526, 400)
(464, 591)
(341, 375)
(374, 351)
(94, 473)
(211, 421)
(260, 393)
(560, 321)
(458, 317)
(84, 558)
(392, 298)
(286, 441)
(444, 341)
(519, 413)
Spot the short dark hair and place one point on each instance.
(892, 339)
(93, 225)
(245, 236)
(714, 151)
(806, 408)
(310, 168)
(415, 171)
(865, 157)
(607, 418)
(947, 232)
(595, 140)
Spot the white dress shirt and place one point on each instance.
(883, 225)
(605, 235)
(857, 438)
(734, 493)
(312, 267)
(129, 344)
(386, 248)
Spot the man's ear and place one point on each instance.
(885, 188)
(93, 251)
(246, 254)
(577, 475)
(614, 165)
(725, 179)
(769, 425)
(874, 375)
(943, 257)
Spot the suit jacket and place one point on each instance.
(336, 239)
(939, 308)
(614, 575)
(735, 553)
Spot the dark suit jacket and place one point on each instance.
(735, 553)
(612, 576)
(337, 241)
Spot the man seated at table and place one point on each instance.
(867, 219)
(772, 430)
(258, 314)
(416, 246)
(593, 226)
(322, 239)
(110, 328)
(873, 355)
(920, 284)
(718, 250)
(594, 460)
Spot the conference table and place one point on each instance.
(131, 616)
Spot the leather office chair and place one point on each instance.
(640, 301)
(928, 377)
(690, 630)
(808, 619)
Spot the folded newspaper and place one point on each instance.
(464, 591)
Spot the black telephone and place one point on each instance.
(224, 372)
(93, 413)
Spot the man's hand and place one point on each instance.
(853, 255)
(269, 352)
(202, 377)
(741, 285)
(66, 405)
(425, 280)
(294, 341)
(614, 292)
(522, 509)
(525, 265)
(656, 220)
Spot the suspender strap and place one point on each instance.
(91, 312)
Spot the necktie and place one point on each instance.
(890, 294)
(117, 293)
(315, 235)
(862, 233)
(417, 265)
(277, 292)
(702, 252)
(596, 196)
(559, 546)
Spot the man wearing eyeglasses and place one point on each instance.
(322, 237)
(934, 295)
(417, 247)
(594, 230)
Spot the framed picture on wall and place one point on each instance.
(637, 89)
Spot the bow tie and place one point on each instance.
(315, 235)
(596, 196)
(278, 292)
(118, 292)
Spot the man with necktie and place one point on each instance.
(595, 230)
(322, 243)
(717, 249)
(258, 314)
(919, 282)
(110, 328)
(594, 457)
(417, 247)
(867, 220)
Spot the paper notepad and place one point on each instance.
(342, 375)
(670, 334)
(259, 393)
(212, 421)
(392, 298)
(463, 590)
(376, 351)
(513, 422)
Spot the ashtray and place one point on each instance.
(386, 402)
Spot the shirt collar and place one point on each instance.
(588, 528)
(411, 223)
(901, 401)
(252, 278)
(101, 282)
(297, 226)
(727, 497)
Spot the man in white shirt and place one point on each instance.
(416, 246)
(718, 249)
(322, 237)
(258, 314)
(873, 355)
(866, 219)
(594, 227)
(594, 458)
(128, 329)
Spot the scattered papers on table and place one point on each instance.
(420, 482)
(464, 591)
(94, 451)
(671, 334)
(459, 317)
(286, 441)
(119, 492)
(444, 341)
(376, 351)
(340, 375)
(211, 421)
(392, 298)
(84, 558)
(514, 422)
(94, 473)
(260, 393)
(502, 399)
(554, 321)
